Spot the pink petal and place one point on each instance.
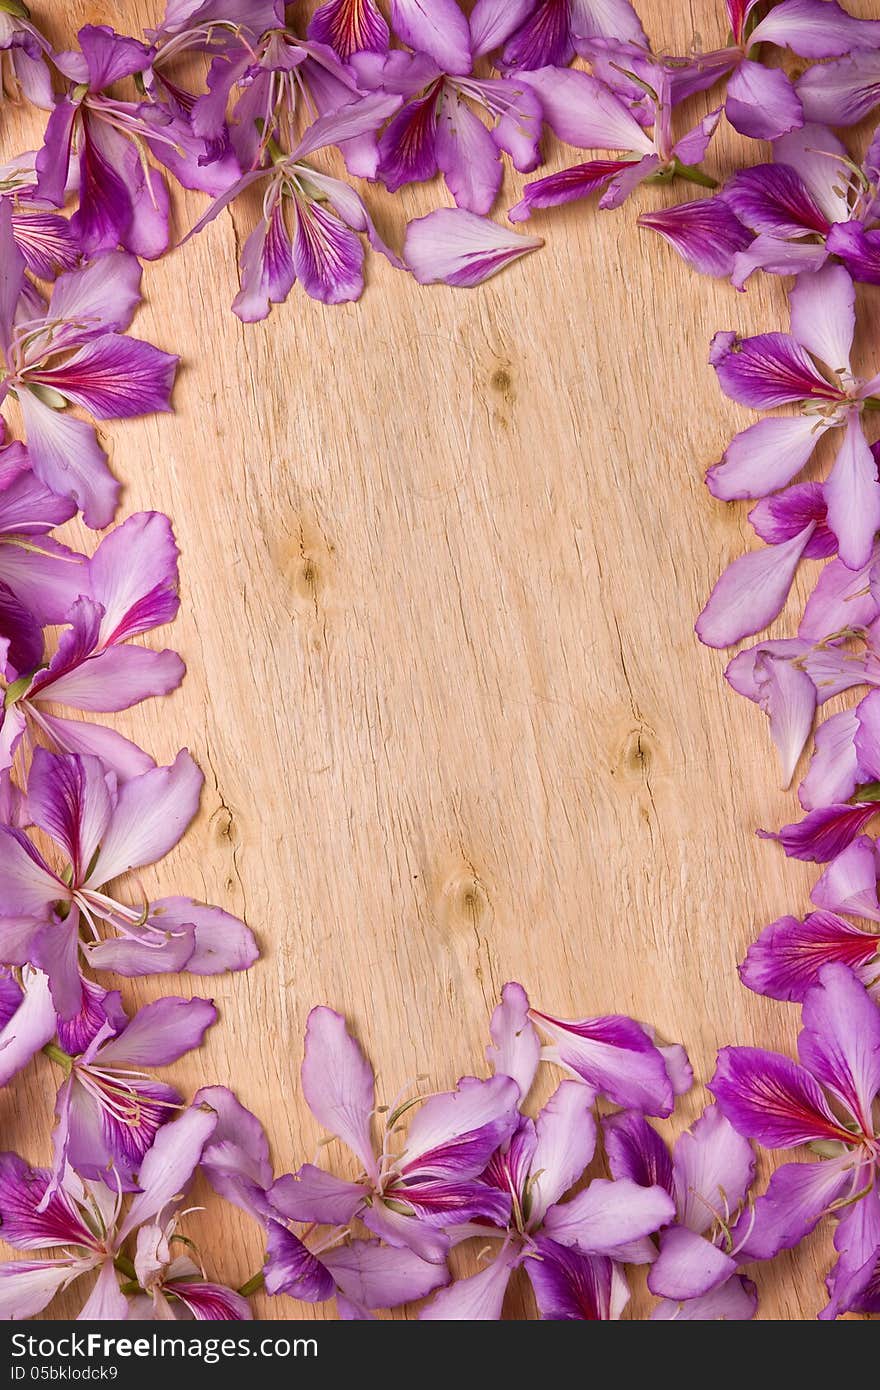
(815, 29)
(169, 1165)
(852, 493)
(159, 1033)
(101, 296)
(222, 942)
(751, 592)
(833, 774)
(119, 755)
(787, 696)
(765, 456)
(516, 1047)
(376, 1276)
(582, 111)
(688, 1266)
(313, 1195)
(849, 884)
(798, 1197)
(814, 153)
(460, 248)
(435, 27)
(786, 959)
(823, 315)
(26, 1288)
(118, 678)
(479, 1298)
(68, 798)
(608, 1214)
(493, 21)
(106, 1302)
(29, 1029)
(614, 1056)
(454, 1134)
(151, 813)
(841, 599)
(762, 102)
(714, 1167)
(133, 575)
(338, 1084)
(466, 155)
(68, 459)
(566, 1141)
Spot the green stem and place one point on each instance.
(869, 792)
(125, 1266)
(253, 1284)
(692, 174)
(58, 1055)
(869, 403)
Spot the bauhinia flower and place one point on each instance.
(319, 1263)
(436, 129)
(23, 50)
(82, 1228)
(585, 112)
(310, 224)
(43, 236)
(409, 1189)
(571, 1251)
(547, 33)
(44, 575)
(52, 916)
(461, 249)
(827, 1101)
(74, 352)
(808, 367)
(127, 588)
(787, 957)
(708, 1176)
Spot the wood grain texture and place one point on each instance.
(442, 552)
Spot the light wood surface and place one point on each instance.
(442, 556)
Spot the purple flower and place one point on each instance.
(583, 111)
(405, 1196)
(44, 575)
(81, 1223)
(784, 1105)
(803, 207)
(109, 1109)
(810, 368)
(436, 129)
(43, 236)
(461, 249)
(310, 223)
(127, 588)
(73, 352)
(23, 51)
(842, 93)
(363, 1275)
(105, 830)
(706, 234)
(696, 1273)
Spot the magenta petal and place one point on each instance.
(714, 1167)
(840, 1041)
(615, 1056)
(454, 1134)
(133, 575)
(26, 1288)
(569, 1286)
(762, 102)
(435, 27)
(350, 26)
(706, 233)
(751, 592)
(636, 1151)
(768, 370)
(609, 1214)
(69, 799)
(479, 1298)
(376, 1276)
(773, 198)
(338, 1083)
(292, 1269)
(770, 1098)
(842, 599)
(466, 155)
(516, 1047)
(582, 111)
(735, 1301)
(132, 958)
(68, 459)
(786, 959)
(797, 1198)
(461, 249)
(56, 952)
(118, 678)
(100, 297)
(28, 1223)
(31, 1026)
(211, 1302)
(857, 1240)
(565, 1133)
(168, 1166)
(859, 250)
(327, 256)
(823, 315)
(114, 377)
(688, 1266)
(266, 268)
(493, 21)
(220, 941)
(159, 1033)
(823, 833)
(787, 696)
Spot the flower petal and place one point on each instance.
(582, 111)
(435, 27)
(221, 942)
(114, 377)
(688, 1266)
(815, 29)
(150, 815)
(169, 1165)
(852, 493)
(68, 459)
(823, 316)
(565, 1131)
(844, 92)
(338, 1083)
(516, 1047)
(834, 769)
(460, 248)
(768, 370)
(823, 833)
(609, 1214)
(479, 1298)
(313, 1195)
(291, 1268)
(762, 102)
(569, 1286)
(764, 457)
(706, 234)
(770, 1098)
(636, 1151)
(840, 1041)
(615, 1056)
(159, 1033)
(714, 1167)
(849, 884)
(454, 1134)
(467, 156)
(751, 593)
(376, 1276)
(797, 1198)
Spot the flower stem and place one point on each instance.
(58, 1055)
(691, 173)
(253, 1284)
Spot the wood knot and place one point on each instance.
(502, 381)
(304, 557)
(636, 757)
(464, 901)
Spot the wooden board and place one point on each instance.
(442, 552)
